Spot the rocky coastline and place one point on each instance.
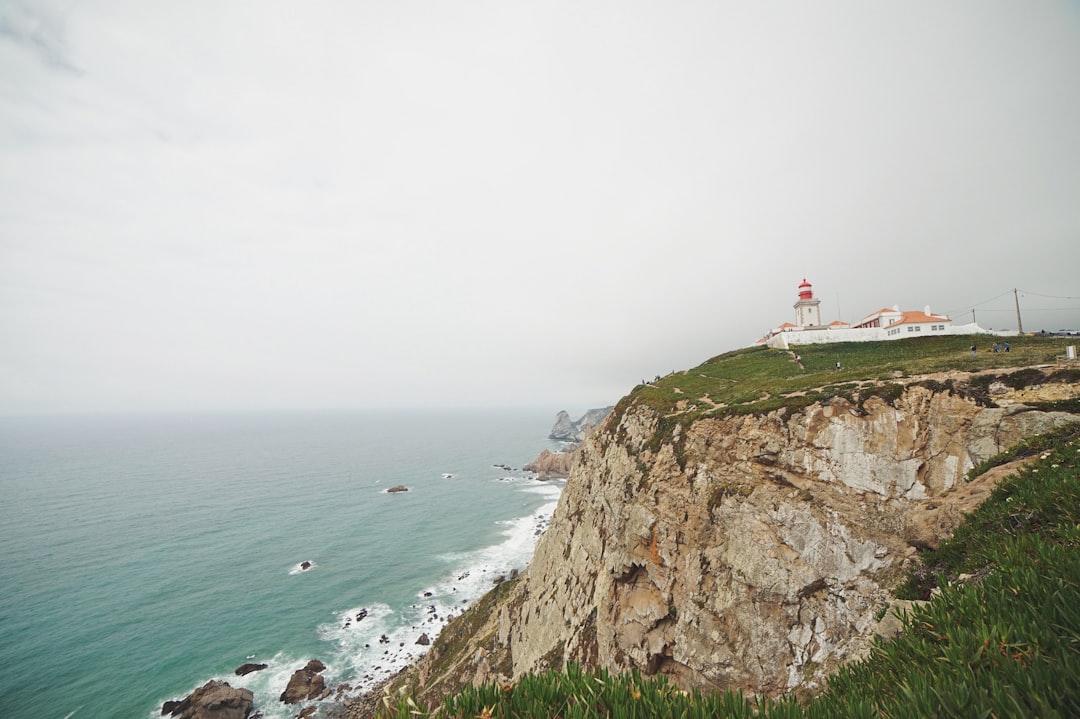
(557, 464)
(747, 551)
(752, 552)
(307, 687)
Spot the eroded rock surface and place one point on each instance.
(304, 684)
(551, 464)
(213, 700)
(750, 552)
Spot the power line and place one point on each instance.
(967, 307)
(1035, 309)
(1053, 297)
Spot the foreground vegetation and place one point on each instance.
(1000, 638)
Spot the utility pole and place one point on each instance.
(1019, 324)
(973, 316)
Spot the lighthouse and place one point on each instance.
(807, 309)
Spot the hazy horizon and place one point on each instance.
(349, 206)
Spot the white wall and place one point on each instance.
(783, 340)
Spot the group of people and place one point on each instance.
(998, 347)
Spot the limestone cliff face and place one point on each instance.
(751, 552)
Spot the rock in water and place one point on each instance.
(213, 700)
(550, 464)
(564, 427)
(249, 668)
(398, 488)
(306, 683)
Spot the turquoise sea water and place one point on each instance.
(145, 555)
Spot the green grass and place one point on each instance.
(1004, 645)
(759, 379)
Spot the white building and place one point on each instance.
(885, 324)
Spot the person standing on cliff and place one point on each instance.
(974, 349)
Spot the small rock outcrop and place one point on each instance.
(398, 488)
(551, 464)
(306, 683)
(213, 700)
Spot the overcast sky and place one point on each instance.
(216, 204)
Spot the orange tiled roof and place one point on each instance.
(786, 325)
(839, 323)
(917, 317)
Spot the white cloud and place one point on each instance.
(362, 204)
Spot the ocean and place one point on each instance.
(144, 555)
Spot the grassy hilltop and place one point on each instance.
(760, 379)
(1001, 634)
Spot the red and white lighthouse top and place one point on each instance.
(805, 293)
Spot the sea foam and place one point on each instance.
(383, 641)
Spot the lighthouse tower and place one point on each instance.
(807, 309)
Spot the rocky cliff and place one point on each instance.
(551, 464)
(567, 430)
(751, 551)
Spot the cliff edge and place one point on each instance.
(747, 545)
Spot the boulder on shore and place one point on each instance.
(306, 683)
(213, 700)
